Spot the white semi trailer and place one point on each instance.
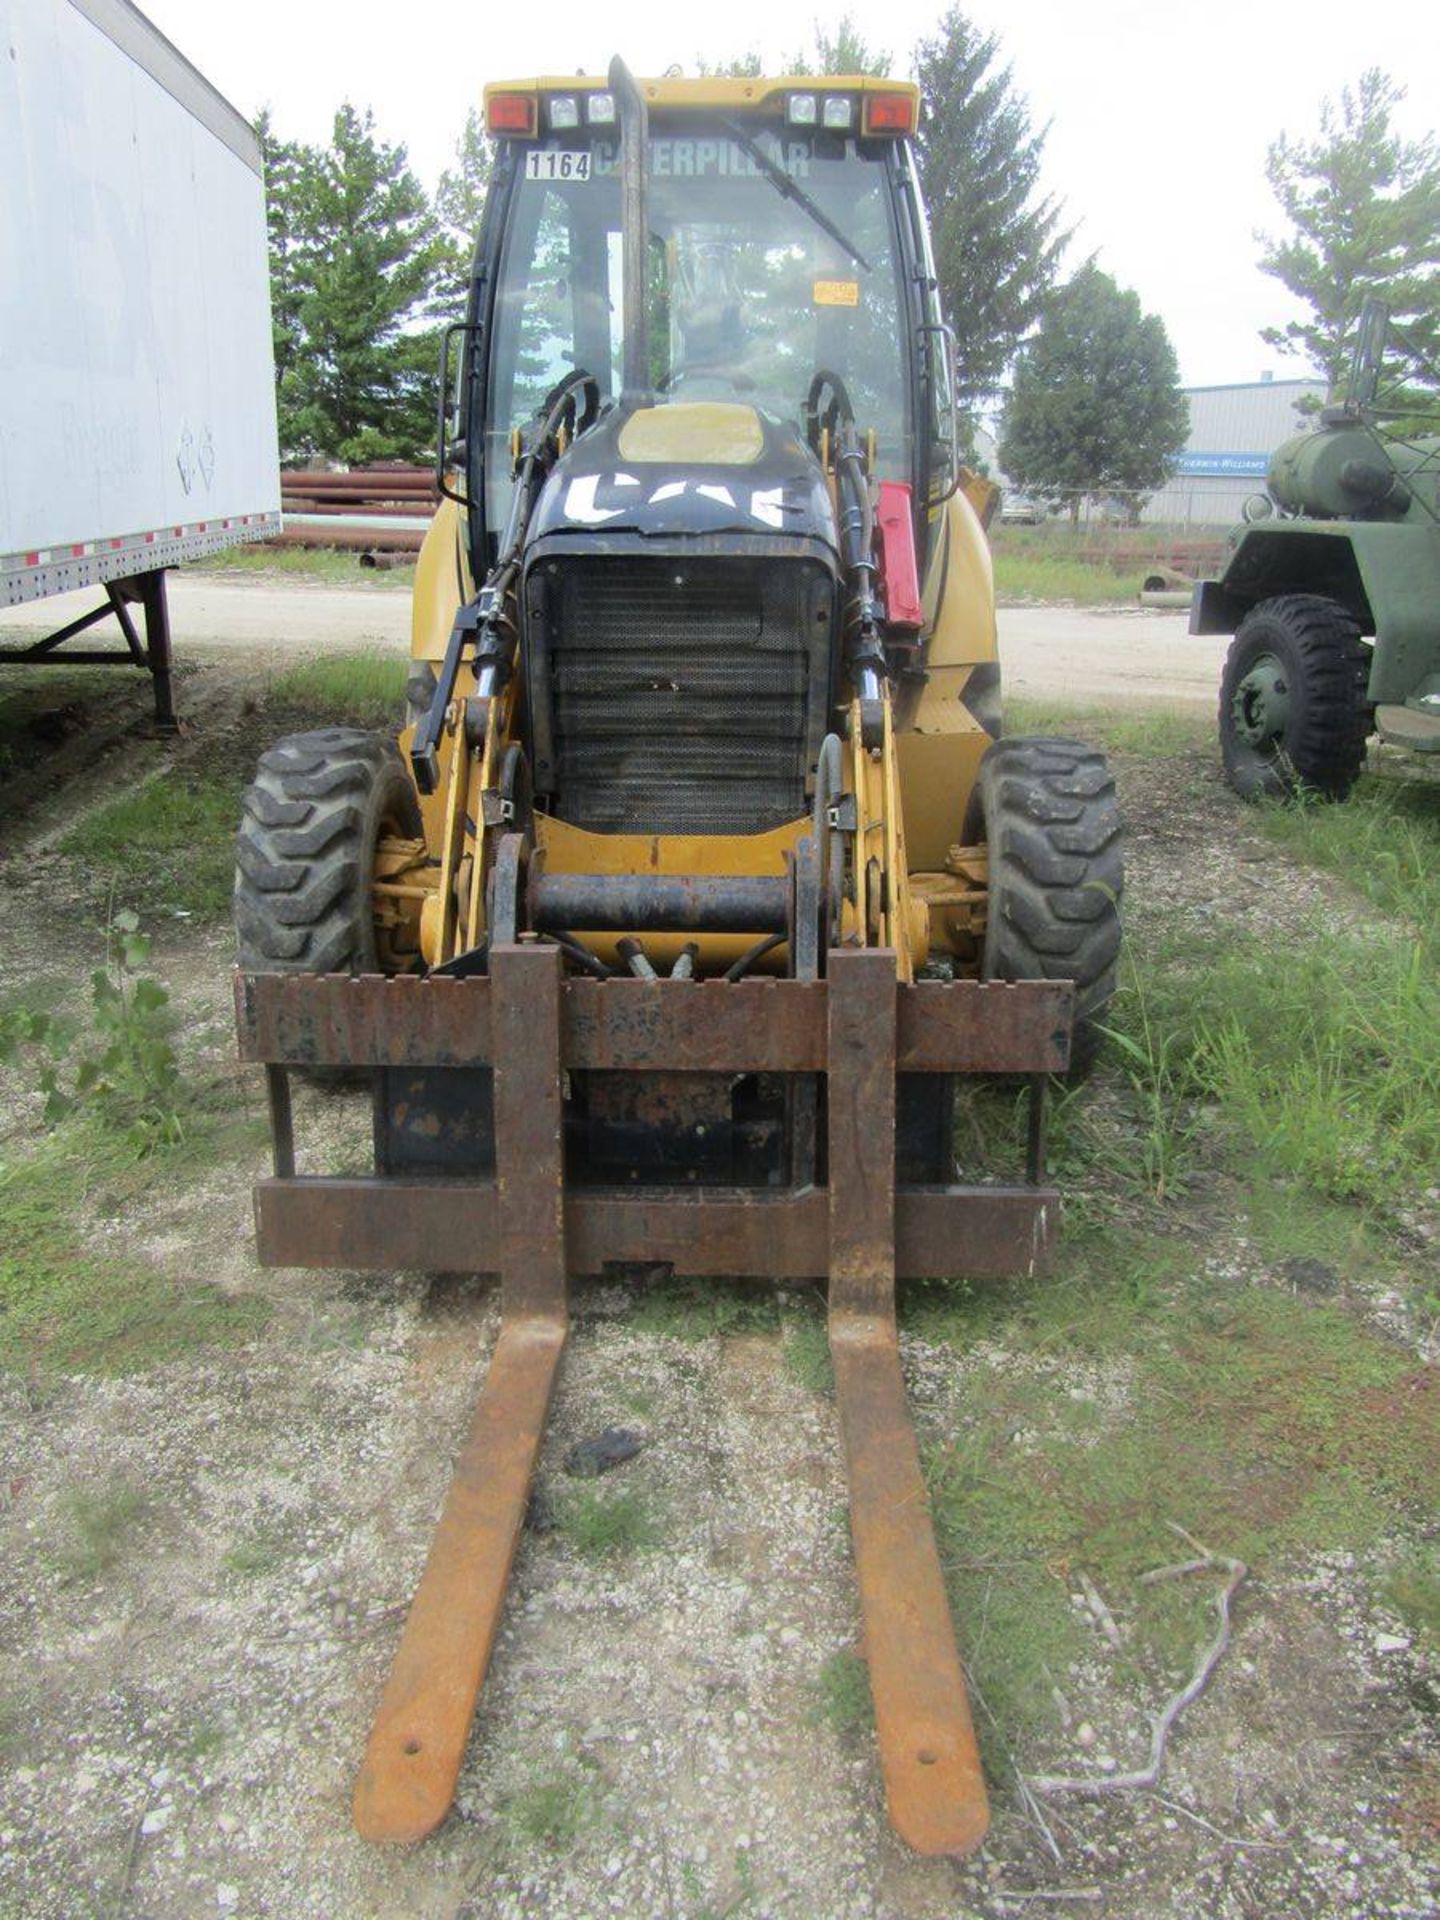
(137, 397)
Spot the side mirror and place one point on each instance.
(945, 469)
(449, 447)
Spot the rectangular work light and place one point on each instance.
(600, 109)
(510, 113)
(889, 113)
(801, 109)
(838, 114)
(563, 111)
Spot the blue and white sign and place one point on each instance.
(1235, 465)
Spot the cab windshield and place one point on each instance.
(751, 290)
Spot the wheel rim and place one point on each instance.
(1260, 705)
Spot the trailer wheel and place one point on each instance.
(1053, 833)
(305, 854)
(1293, 709)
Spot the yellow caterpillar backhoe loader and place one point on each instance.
(700, 871)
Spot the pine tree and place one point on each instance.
(459, 203)
(289, 175)
(359, 254)
(844, 51)
(1096, 407)
(1364, 206)
(996, 243)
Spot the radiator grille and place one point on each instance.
(682, 693)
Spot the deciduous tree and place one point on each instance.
(1096, 407)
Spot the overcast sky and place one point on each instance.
(1159, 114)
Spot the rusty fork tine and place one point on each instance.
(418, 1740)
(928, 1756)
(417, 1743)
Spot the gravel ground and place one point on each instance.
(179, 1731)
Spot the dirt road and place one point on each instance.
(1090, 656)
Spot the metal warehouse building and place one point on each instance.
(1233, 432)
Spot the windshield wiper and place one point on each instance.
(781, 180)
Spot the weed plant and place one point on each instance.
(96, 1525)
(842, 1696)
(123, 1069)
(604, 1523)
(555, 1807)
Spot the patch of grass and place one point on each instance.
(1305, 1238)
(330, 566)
(1414, 1591)
(1108, 1282)
(167, 847)
(97, 1522)
(1157, 733)
(254, 1556)
(556, 1806)
(842, 1696)
(1317, 1062)
(364, 689)
(606, 1523)
(205, 1740)
(1262, 1423)
(1384, 841)
(1029, 574)
(65, 1305)
(806, 1353)
(691, 1309)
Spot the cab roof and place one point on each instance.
(755, 93)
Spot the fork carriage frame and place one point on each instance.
(858, 1027)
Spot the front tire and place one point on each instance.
(1053, 834)
(305, 855)
(1294, 716)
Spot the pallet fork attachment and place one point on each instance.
(859, 1028)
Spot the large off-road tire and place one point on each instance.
(305, 855)
(1293, 709)
(1053, 834)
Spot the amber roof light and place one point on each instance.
(510, 113)
(889, 113)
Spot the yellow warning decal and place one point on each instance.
(837, 293)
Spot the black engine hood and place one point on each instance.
(685, 469)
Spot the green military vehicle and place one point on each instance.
(1332, 590)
